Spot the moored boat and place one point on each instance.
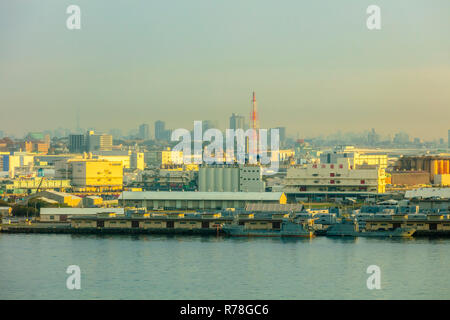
(350, 228)
(287, 229)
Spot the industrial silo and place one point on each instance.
(228, 171)
(235, 180)
(219, 171)
(202, 179)
(209, 179)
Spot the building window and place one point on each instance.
(363, 181)
(332, 166)
(341, 166)
(331, 174)
(332, 181)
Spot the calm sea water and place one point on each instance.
(192, 267)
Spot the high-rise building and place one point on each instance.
(161, 133)
(401, 138)
(98, 142)
(237, 121)
(282, 135)
(116, 133)
(137, 160)
(144, 131)
(209, 124)
(372, 137)
(160, 128)
(448, 139)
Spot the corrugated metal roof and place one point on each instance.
(274, 207)
(192, 195)
(80, 211)
(428, 193)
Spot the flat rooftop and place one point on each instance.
(192, 195)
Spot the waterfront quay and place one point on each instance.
(212, 223)
(157, 223)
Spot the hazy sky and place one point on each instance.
(314, 65)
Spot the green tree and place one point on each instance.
(23, 211)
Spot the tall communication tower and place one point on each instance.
(254, 124)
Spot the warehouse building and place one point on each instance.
(197, 200)
(342, 178)
(65, 214)
(60, 197)
(436, 169)
(89, 174)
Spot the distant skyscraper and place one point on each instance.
(448, 139)
(282, 135)
(373, 137)
(160, 128)
(237, 121)
(2, 134)
(401, 138)
(116, 133)
(208, 124)
(144, 131)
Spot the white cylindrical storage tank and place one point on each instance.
(209, 179)
(235, 180)
(227, 172)
(202, 179)
(218, 179)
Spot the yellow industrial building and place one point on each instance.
(89, 174)
(59, 197)
(436, 167)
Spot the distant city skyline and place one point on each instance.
(164, 134)
(314, 71)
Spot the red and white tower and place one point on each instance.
(254, 124)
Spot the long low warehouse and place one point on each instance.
(197, 200)
(64, 214)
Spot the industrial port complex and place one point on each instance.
(96, 183)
